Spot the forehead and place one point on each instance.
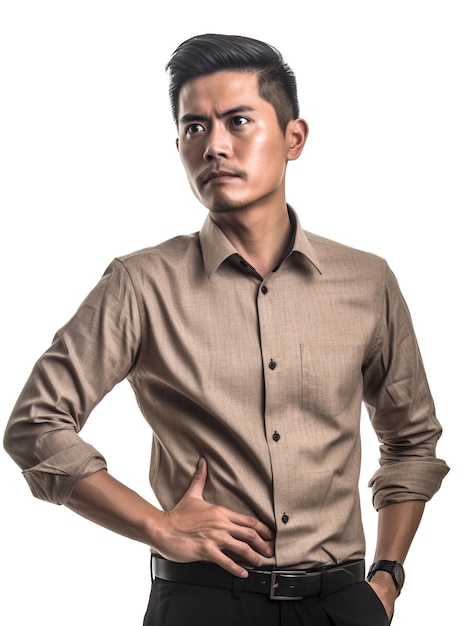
(220, 91)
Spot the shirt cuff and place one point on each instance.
(53, 480)
(407, 480)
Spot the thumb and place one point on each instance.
(197, 486)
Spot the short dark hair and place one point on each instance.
(206, 54)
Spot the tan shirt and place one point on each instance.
(265, 378)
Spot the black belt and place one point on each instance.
(277, 584)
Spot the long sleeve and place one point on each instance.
(401, 408)
(89, 355)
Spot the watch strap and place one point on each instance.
(394, 568)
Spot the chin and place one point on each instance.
(226, 208)
(226, 205)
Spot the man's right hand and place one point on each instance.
(196, 530)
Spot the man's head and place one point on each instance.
(206, 54)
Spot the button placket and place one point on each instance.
(280, 363)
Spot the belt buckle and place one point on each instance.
(274, 584)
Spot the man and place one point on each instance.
(251, 346)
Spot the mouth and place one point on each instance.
(218, 176)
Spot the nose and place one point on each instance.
(218, 143)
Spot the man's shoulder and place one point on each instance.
(331, 251)
(172, 249)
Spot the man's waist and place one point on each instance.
(278, 584)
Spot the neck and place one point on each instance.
(261, 238)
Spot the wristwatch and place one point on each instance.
(394, 568)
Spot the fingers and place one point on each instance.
(231, 566)
(259, 529)
(198, 530)
(197, 485)
(248, 543)
(253, 532)
(235, 555)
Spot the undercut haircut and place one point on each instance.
(206, 54)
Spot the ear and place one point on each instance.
(177, 144)
(296, 135)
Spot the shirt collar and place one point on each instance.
(216, 248)
(301, 243)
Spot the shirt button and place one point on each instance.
(272, 364)
(264, 289)
(276, 436)
(285, 518)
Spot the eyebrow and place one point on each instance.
(197, 117)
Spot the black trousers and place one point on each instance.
(179, 604)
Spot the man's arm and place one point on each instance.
(194, 530)
(397, 525)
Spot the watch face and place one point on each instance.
(393, 567)
(399, 574)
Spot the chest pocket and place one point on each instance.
(331, 377)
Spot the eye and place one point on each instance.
(239, 120)
(193, 129)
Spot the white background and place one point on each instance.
(89, 171)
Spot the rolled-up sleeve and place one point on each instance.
(94, 351)
(401, 408)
